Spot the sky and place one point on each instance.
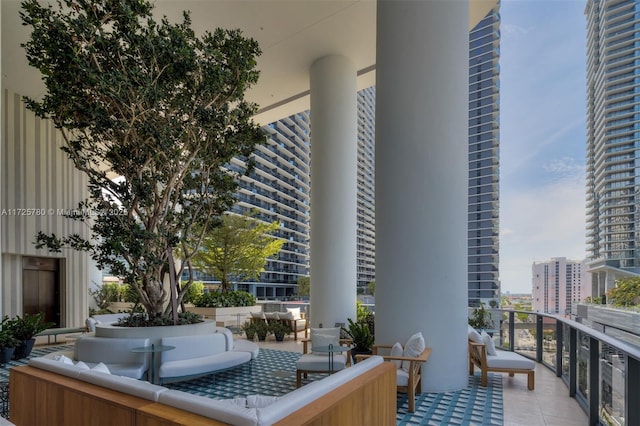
(542, 136)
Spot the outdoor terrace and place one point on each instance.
(537, 336)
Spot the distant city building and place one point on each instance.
(558, 284)
(366, 254)
(613, 141)
(484, 143)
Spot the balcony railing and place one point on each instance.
(601, 372)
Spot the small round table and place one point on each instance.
(153, 350)
(330, 350)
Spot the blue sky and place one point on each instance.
(542, 136)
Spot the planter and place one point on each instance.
(279, 338)
(233, 316)
(5, 355)
(121, 306)
(23, 350)
(155, 333)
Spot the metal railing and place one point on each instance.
(601, 372)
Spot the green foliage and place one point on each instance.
(195, 290)
(109, 293)
(279, 329)
(140, 320)
(262, 329)
(156, 105)
(7, 339)
(249, 329)
(372, 287)
(626, 292)
(237, 249)
(216, 299)
(304, 284)
(481, 318)
(360, 334)
(26, 327)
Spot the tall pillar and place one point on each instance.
(334, 162)
(421, 182)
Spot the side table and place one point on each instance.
(330, 350)
(153, 350)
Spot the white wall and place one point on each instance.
(36, 174)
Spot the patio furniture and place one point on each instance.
(322, 361)
(295, 319)
(408, 361)
(483, 354)
(363, 394)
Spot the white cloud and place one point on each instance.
(547, 221)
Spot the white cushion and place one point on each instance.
(488, 343)
(260, 401)
(214, 409)
(325, 337)
(285, 315)
(413, 348)
(257, 315)
(128, 385)
(82, 366)
(506, 359)
(271, 315)
(295, 312)
(402, 377)
(63, 359)
(397, 350)
(238, 402)
(473, 335)
(100, 367)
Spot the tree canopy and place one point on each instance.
(159, 108)
(626, 292)
(237, 249)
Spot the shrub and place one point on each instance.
(216, 299)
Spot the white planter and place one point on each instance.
(156, 333)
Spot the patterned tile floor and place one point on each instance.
(273, 373)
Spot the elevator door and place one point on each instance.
(41, 288)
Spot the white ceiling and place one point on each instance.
(291, 33)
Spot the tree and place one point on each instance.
(303, 286)
(153, 104)
(372, 287)
(626, 292)
(237, 249)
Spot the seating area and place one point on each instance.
(293, 318)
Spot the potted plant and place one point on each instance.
(8, 345)
(249, 329)
(262, 329)
(361, 337)
(24, 329)
(279, 329)
(481, 318)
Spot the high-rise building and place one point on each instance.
(366, 254)
(613, 140)
(559, 283)
(278, 189)
(484, 140)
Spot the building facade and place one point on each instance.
(484, 142)
(559, 283)
(613, 140)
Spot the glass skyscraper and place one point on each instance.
(484, 144)
(613, 140)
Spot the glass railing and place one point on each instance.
(601, 372)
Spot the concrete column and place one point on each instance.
(421, 182)
(334, 162)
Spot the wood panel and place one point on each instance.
(366, 400)
(40, 397)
